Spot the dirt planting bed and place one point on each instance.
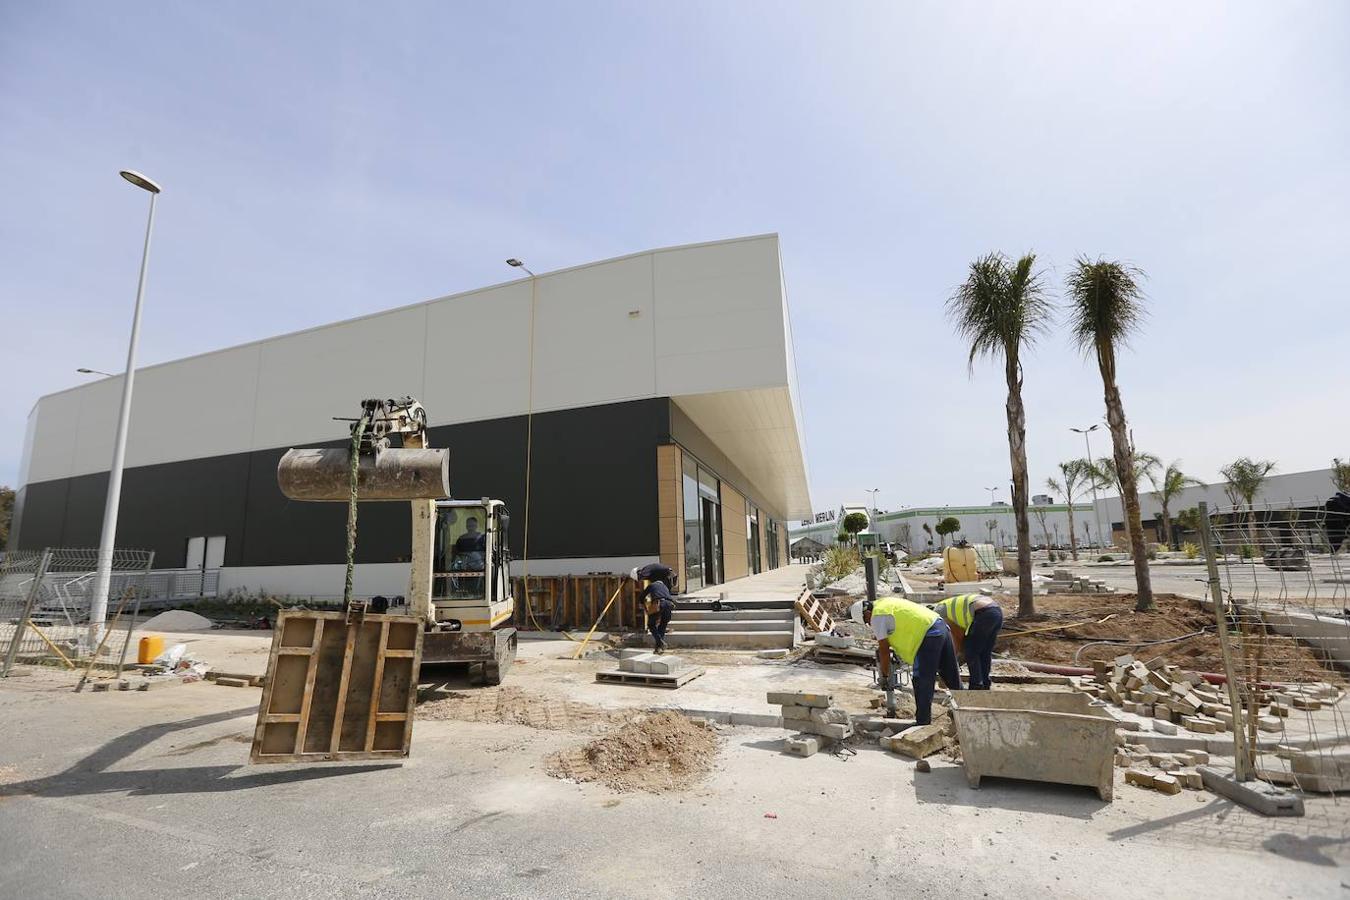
(1084, 618)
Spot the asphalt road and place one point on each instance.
(148, 795)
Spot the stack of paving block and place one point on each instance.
(1168, 773)
(653, 664)
(1323, 771)
(815, 716)
(1172, 697)
(1065, 582)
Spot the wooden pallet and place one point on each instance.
(838, 654)
(338, 687)
(813, 612)
(644, 679)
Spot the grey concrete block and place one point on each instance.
(638, 664)
(838, 732)
(801, 745)
(774, 653)
(798, 698)
(831, 716)
(792, 712)
(666, 665)
(1264, 798)
(831, 640)
(1164, 727)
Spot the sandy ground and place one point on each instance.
(128, 794)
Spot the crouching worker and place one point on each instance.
(918, 636)
(656, 598)
(975, 621)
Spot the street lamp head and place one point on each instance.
(515, 262)
(94, 372)
(140, 181)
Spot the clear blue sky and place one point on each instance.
(325, 160)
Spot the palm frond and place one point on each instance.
(1001, 307)
(1106, 303)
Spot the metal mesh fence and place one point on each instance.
(1281, 575)
(45, 602)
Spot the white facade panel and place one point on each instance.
(588, 349)
(56, 435)
(214, 394)
(308, 378)
(477, 357)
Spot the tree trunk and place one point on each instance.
(1073, 539)
(1017, 454)
(1167, 526)
(1129, 491)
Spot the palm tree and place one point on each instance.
(1166, 487)
(1106, 307)
(989, 526)
(1002, 307)
(1245, 477)
(1073, 473)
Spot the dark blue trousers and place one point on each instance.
(984, 629)
(657, 623)
(935, 656)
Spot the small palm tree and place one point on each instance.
(1166, 487)
(1106, 308)
(1245, 477)
(989, 526)
(1073, 474)
(1001, 308)
(1340, 475)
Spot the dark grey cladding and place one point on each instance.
(593, 493)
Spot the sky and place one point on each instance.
(326, 160)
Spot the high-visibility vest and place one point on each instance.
(912, 622)
(959, 611)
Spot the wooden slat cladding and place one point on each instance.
(574, 601)
(734, 562)
(670, 506)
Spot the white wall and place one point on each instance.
(709, 317)
(1278, 491)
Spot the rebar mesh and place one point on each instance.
(1282, 575)
(45, 602)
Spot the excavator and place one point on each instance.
(460, 580)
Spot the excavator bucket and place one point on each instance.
(393, 474)
(339, 686)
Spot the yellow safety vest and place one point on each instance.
(912, 622)
(958, 611)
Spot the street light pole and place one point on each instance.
(1096, 518)
(992, 492)
(98, 607)
(874, 492)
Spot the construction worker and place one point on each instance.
(918, 636)
(974, 620)
(655, 582)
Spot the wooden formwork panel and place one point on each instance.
(338, 689)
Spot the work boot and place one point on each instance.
(659, 650)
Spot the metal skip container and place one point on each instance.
(1056, 736)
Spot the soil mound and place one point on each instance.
(513, 706)
(657, 754)
(176, 620)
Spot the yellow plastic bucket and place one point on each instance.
(151, 645)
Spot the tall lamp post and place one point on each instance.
(1096, 519)
(98, 607)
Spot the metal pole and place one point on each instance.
(98, 608)
(1096, 516)
(1240, 762)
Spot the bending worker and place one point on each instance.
(975, 620)
(657, 599)
(918, 636)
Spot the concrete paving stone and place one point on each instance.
(832, 715)
(1264, 798)
(838, 732)
(917, 742)
(1162, 726)
(773, 653)
(801, 745)
(1166, 784)
(792, 712)
(667, 665)
(782, 698)
(1141, 777)
(233, 682)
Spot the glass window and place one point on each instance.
(693, 530)
(459, 553)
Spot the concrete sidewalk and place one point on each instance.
(783, 583)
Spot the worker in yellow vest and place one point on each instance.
(975, 621)
(918, 636)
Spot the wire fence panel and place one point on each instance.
(1283, 578)
(45, 602)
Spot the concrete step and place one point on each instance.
(742, 604)
(764, 615)
(721, 625)
(732, 640)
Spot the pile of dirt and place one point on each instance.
(513, 706)
(656, 753)
(1064, 623)
(176, 620)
